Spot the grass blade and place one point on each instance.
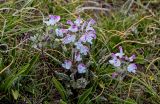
(24, 70)
(60, 88)
(84, 96)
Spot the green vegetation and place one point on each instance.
(34, 76)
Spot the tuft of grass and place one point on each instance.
(26, 75)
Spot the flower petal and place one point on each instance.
(70, 22)
(53, 19)
(83, 25)
(81, 68)
(132, 58)
(120, 54)
(78, 45)
(78, 21)
(83, 38)
(88, 37)
(91, 22)
(115, 61)
(78, 56)
(73, 28)
(68, 39)
(59, 32)
(67, 64)
(84, 50)
(132, 68)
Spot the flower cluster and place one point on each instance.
(78, 35)
(52, 20)
(41, 40)
(120, 60)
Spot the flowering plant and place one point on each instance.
(75, 39)
(123, 63)
(46, 39)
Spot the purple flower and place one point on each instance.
(78, 56)
(132, 68)
(120, 54)
(132, 58)
(73, 28)
(67, 64)
(84, 50)
(78, 21)
(60, 32)
(81, 68)
(53, 19)
(115, 61)
(88, 37)
(83, 25)
(91, 22)
(78, 45)
(68, 39)
(70, 22)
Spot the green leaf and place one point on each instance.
(62, 76)
(15, 94)
(24, 70)
(12, 78)
(84, 96)
(140, 59)
(31, 63)
(60, 88)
